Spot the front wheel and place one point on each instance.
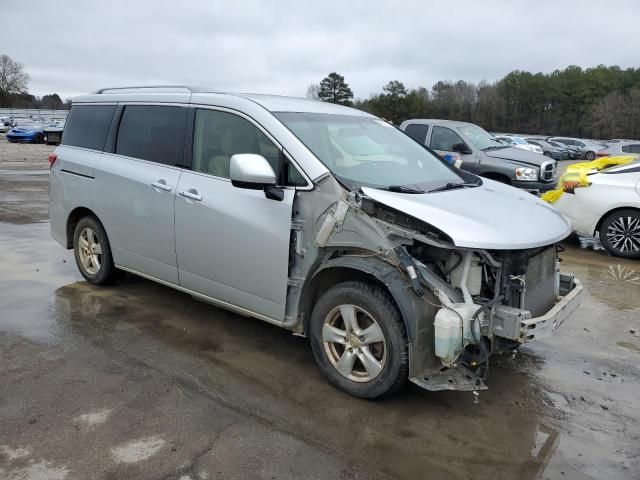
(620, 233)
(93, 253)
(39, 138)
(359, 340)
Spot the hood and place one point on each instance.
(493, 216)
(26, 129)
(518, 155)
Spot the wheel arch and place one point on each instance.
(613, 210)
(73, 219)
(367, 269)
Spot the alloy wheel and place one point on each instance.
(354, 343)
(89, 251)
(623, 234)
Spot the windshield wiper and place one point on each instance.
(453, 186)
(403, 189)
(494, 147)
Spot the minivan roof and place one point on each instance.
(204, 95)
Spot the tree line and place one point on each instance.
(14, 92)
(599, 102)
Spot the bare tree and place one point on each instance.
(13, 78)
(313, 91)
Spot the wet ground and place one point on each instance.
(141, 381)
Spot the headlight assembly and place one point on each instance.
(525, 173)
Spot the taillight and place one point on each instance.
(52, 159)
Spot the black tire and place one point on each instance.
(107, 272)
(620, 233)
(376, 302)
(590, 156)
(39, 138)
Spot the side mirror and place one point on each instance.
(461, 148)
(251, 171)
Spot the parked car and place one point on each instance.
(549, 150)
(27, 133)
(608, 206)
(623, 147)
(519, 142)
(483, 154)
(53, 133)
(589, 149)
(573, 152)
(6, 123)
(318, 218)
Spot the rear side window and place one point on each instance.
(87, 126)
(443, 138)
(152, 132)
(418, 132)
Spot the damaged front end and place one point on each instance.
(460, 305)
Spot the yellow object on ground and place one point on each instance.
(576, 174)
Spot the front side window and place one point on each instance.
(220, 135)
(152, 132)
(444, 139)
(366, 151)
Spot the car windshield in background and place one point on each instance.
(364, 151)
(481, 139)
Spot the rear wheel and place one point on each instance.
(590, 156)
(92, 252)
(620, 233)
(359, 340)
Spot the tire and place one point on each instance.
(93, 253)
(620, 233)
(39, 138)
(387, 360)
(590, 156)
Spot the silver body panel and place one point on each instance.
(233, 245)
(137, 215)
(493, 216)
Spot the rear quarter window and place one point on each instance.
(87, 126)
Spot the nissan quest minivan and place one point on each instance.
(319, 218)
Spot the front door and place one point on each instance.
(443, 139)
(232, 244)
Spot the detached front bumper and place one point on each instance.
(519, 325)
(537, 328)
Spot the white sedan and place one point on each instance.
(608, 206)
(521, 143)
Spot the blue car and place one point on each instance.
(26, 134)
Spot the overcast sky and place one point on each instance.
(77, 46)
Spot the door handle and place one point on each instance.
(191, 195)
(161, 185)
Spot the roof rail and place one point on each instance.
(175, 88)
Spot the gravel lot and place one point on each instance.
(141, 381)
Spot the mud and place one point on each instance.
(141, 381)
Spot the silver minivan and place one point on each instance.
(319, 218)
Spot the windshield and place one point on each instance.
(480, 138)
(366, 151)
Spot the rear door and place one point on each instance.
(232, 243)
(137, 183)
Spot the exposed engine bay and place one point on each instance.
(462, 305)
